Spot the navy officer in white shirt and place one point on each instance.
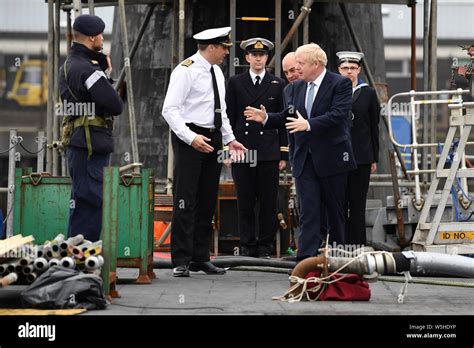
(195, 110)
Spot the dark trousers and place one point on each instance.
(195, 185)
(85, 213)
(257, 184)
(313, 192)
(357, 187)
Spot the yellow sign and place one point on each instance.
(456, 235)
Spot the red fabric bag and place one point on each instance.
(351, 287)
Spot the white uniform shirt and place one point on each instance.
(190, 99)
(253, 76)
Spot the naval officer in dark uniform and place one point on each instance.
(84, 82)
(256, 179)
(195, 110)
(365, 144)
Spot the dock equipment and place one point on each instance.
(42, 210)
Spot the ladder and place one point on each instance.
(235, 62)
(431, 233)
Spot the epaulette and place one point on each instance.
(94, 62)
(275, 81)
(187, 63)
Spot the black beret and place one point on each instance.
(89, 25)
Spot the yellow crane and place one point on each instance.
(30, 87)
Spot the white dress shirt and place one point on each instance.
(190, 99)
(317, 83)
(253, 76)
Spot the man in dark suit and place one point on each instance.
(365, 144)
(256, 179)
(319, 144)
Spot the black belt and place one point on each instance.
(201, 130)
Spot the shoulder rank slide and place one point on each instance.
(94, 62)
(187, 62)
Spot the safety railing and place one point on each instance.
(415, 145)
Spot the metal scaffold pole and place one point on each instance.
(11, 181)
(55, 78)
(49, 113)
(128, 73)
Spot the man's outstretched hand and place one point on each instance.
(254, 114)
(237, 151)
(299, 124)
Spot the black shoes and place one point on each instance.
(181, 271)
(206, 267)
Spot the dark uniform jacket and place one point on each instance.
(329, 137)
(365, 125)
(271, 144)
(89, 84)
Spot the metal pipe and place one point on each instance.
(415, 153)
(294, 40)
(94, 262)
(68, 31)
(68, 262)
(433, 85)
(278, 49)
(79, 250)
(306, 29)
(56, 242)
(41, 141)
(77, 8)
(164, 235)
(50, 106)
(53, 262)
(28, 269)
(55, 77)
(305, 10)
(428, 263)
(8, 279)
(413, 47)
(421, 263)
(11, 182)
(93, 249)
(129, 166)
(181, 29)
(425, 128)
(72, 241)
(143, 27)
(30, 278)
(25, 261)
(128, 71)
(91, 6)
(390, 184)
(41, 264)
(13, 265)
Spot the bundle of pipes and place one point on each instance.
(25, 264)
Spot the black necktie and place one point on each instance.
(257, 81)
(217, 102)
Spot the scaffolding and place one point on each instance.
(53, 156)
